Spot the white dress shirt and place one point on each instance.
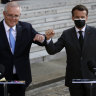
(83, 31)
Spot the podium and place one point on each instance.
(5, 83)
(90, 81)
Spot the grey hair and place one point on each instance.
(12, 4)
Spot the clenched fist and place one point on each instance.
(49, 33)
(39, 38)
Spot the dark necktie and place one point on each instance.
(81, 39)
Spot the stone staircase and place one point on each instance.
(46, 14)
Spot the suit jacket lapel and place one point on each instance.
(86, 36)
(4, 37)
(75, 39)
(18, 36)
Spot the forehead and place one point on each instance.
(13, 10)
(79, 13)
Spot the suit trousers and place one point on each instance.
(13, 90)
(82, 90)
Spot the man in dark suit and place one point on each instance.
(16, 38)
(5, 1)
(80, 45)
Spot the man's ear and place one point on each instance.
(86, 17)
(4, 13)
(72, 18)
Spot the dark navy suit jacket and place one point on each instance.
(24, 39)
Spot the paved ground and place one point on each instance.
(48, 79)
(42, 72)
(54, 89)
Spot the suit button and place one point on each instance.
(81, 58)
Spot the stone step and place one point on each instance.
(42, 55)
(58, 24)
(51, 11)
(64, 4)
(42, 3)
(44, 12)
(47, 18)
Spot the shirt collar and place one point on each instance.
(7, 27)
(83, 29)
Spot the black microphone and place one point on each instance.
(2, 70)
(92, 66)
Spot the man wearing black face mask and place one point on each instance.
(80, 44)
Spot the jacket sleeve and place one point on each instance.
(53, 48)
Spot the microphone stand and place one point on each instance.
(91, 85)
(5, 89)
(5, 83)
(94, 71)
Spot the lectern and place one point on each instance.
(5, 83)
(90, 81)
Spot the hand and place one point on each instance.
(39, 37)
(49, 33)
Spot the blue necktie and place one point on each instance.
(12, 40)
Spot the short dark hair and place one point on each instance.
(80, 8)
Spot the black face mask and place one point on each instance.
(79, 23)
